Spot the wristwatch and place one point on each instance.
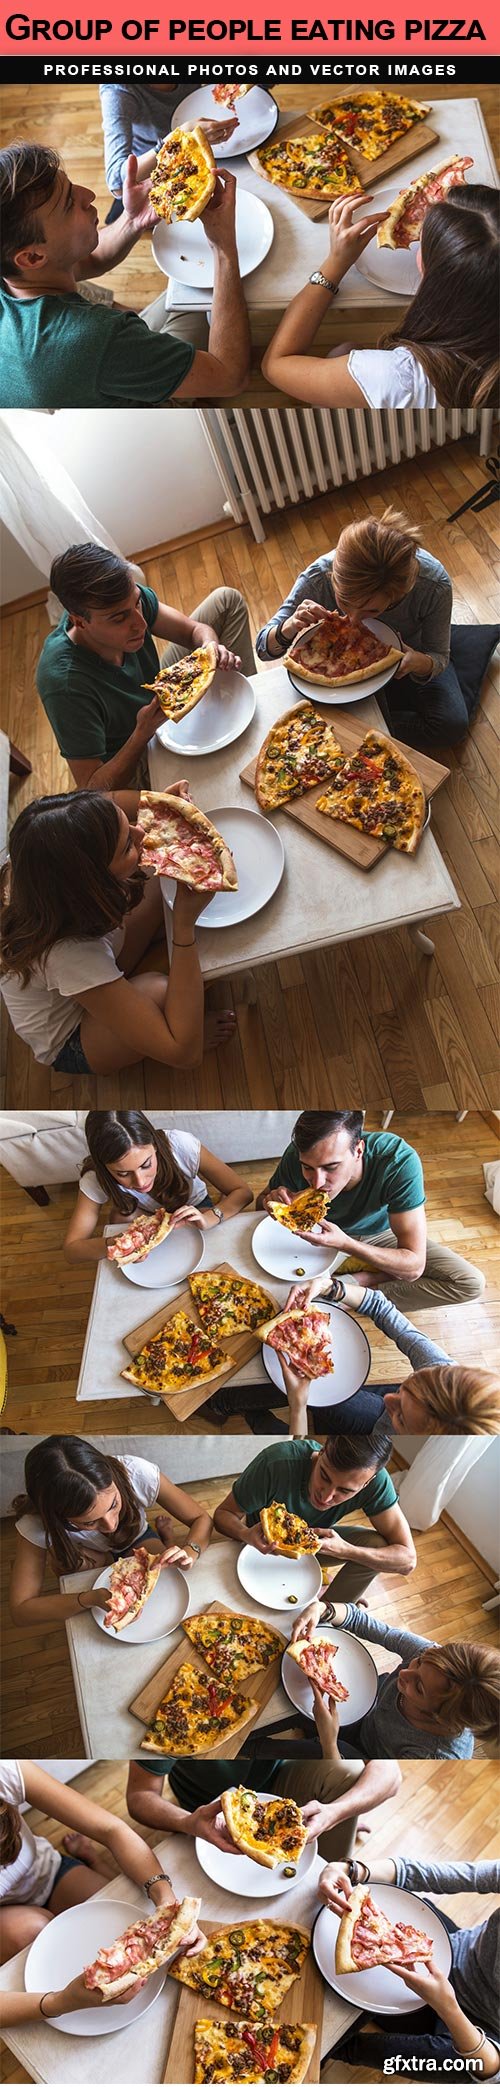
(324, 282)
(192, 1546)
(219, 1214)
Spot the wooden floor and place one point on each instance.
(443, 1810)
(49, 1302)
(374, 1017)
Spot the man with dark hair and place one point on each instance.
(376, 1212)
(323, 1485)
(94, 664)
(62, 346)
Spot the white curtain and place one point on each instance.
(39, 502)
(436, 1474)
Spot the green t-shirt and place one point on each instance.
(198, 1782)
(60, 351)
(282, 1473)
(91, 703)
(392, 1179)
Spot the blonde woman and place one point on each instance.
(433, 1702)
(380, 568)
(438, 1398)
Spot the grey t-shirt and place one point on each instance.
(134, 119)
(384, 1734)
(422, 619)
(475, 1952)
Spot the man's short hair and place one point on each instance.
(87, 577)
(315, 1124)
(356, 1452)
(28, 175)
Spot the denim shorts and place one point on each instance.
(71, 1057)
(67, 1862)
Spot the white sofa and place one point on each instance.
(43, 1147)
(186, 1458)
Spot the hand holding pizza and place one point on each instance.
(256, 1538)
(76, 1995)
(176, 1555)
(335, 1886)
(433, 1987)
(219, 218)
(208, 1824)
(95, 1598)
(216, 129)
(326, 1719)
(348, 240)
(190, 1214)
(148, 719)
(307, 1623)
(276, 1195)
(227, 660)
(301, 1294)
(308, 612)
(136, 203)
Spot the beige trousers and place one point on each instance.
(324, 1780)
(447, 1279)
(227, 613)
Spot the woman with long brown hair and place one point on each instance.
(136, 1167)
(83, 1508)
(79, 915)
(446, 350)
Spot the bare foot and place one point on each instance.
(218, 1029)
(364, 1830)
(88, 1851)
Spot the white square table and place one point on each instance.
(139, 2054)
(108, 1677)
(300, 243)
(323, 899)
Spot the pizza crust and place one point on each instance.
(159, 687)
(292, 658)
(207, 175)
(344, 1960)
(182, 808)
(136, 1607)
(385, 234)
(141, 1251)
(186, 1917)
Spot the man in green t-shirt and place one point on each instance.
(376, 1212)
(93, 667)
(322, 1485)
(59, 345)
(331, 1792)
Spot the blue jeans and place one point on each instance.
(426, 713)
(71, 1057)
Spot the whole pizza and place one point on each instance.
(268, 1829)
(305, 1210)
(403, 225)
(179, 841)
(372, 122)
(142, 1948)
(230, 2052)
(144, 1232)
(378, 790)
(304, 1337)
(195, 1714)
(316, 1656)
(367, 1938)
(299, 750)
(184, 176)
(132, 1580)
(248, 1967)
(234, 1646)
(177, 1358)
(336, 651)
(291, 1535)
(180, 687)
(311, 165)
(229, 1303)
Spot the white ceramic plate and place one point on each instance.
(351, 1356)
(380, 1991)
(247, 1879)
(260, 860)
(223, 714)
(282, 1253)
(176, 1257)
(184, 253)
(356, 690)
(271, 1581)
(389, 269)
(71, 1941)
(257, 118)
(354, 1666)
(163, 1611)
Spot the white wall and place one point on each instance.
(475, 1505)
(17, 574)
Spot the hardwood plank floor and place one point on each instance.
(442, 1810)
(49, 1302)
(377, 1016)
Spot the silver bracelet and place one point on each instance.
(160, 1877)
(329, 1612)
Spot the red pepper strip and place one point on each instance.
(260, 2056)
(273, 2048)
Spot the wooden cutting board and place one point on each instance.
(359, 848)
(240, 1346)
(303, 2003)
(367, 172)
(259, 1686)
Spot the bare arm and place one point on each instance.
(186, 1510)
(288, 363)
(406, 1260)
(119, 771)
(224, 369)
(29, 1604)
(116, 241)
(172, 1033)
(74, 1809)
(80, 1244)
(399, 1555)
(235, 1193)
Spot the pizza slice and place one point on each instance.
(234, 1646)
(233, 2052)
(179, 841)
(311, 165)
(370, 123)
(300, 750)
(177, 1358)
(403, 225)
(378, 790)
(249, 1966)
(269, 1829)
(367, 1938)
(143, 1233)
(336, 652)
(291, 1535)
(229, 1303)
(316, 1656)
(180, 687)
(184, 177)
(196, 1714)
(227, 92)
(304, 1338)
(143, 1948)
(132, 1581)
(305, 1210)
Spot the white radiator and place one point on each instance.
(273, 458)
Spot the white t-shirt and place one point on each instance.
(145, 1479)
(28, 1881)
(186, 1150)
(391, 377)
(47, 1010)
